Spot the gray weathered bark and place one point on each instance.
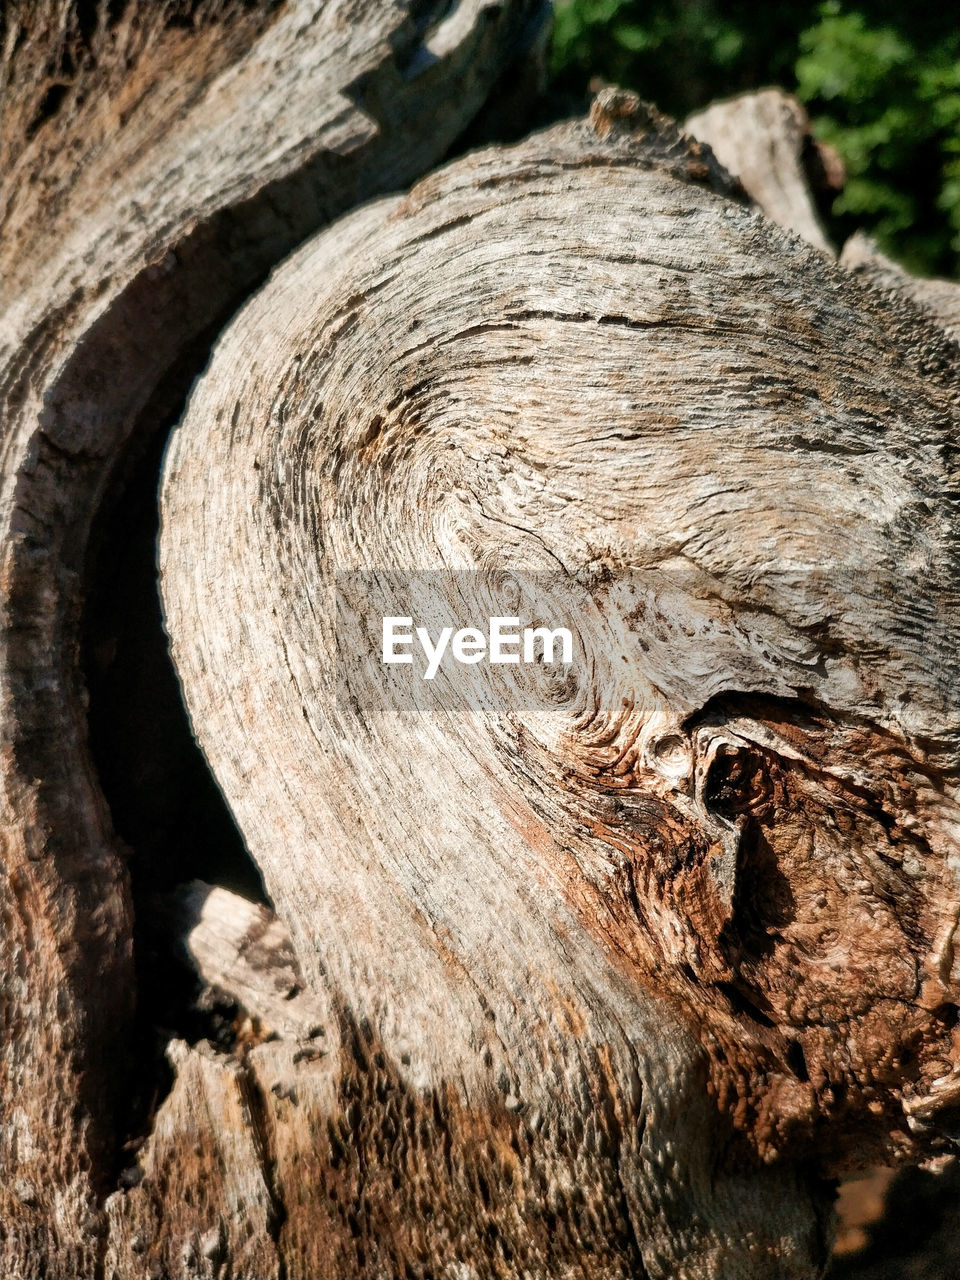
(653, 950)
(604, 977)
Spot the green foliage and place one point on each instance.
(881, 82)
(893, 113)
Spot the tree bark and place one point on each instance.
(605, 972)
(158, 159)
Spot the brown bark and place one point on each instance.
(607, 976)
(158, 159)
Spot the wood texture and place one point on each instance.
(765, 140)
(601, 979)
(157, 160)
(617, 978)
(940, 299)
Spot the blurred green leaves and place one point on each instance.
(888, 107)
(881, 82)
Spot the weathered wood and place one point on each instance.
(205, 1154)
(638, 956)
(764, 138)
(157, 158)
(582, 1010)
(242, 949)
(940, 299)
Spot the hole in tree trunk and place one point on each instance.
(164, 802)
(162, 796)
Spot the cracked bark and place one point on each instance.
(536, 1004)
(158, 160)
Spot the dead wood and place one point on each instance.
(939, 299)
(683, 920)
(157, 160)
(765, 140)
(606, 976)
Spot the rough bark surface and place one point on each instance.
(619, 967)
(940, 299)
(765, 140)
(157, 160)
(606, 988)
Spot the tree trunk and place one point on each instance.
(765, 139)
(158, 159)
(581, 982)
(604, 967)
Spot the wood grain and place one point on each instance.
(765, 140)
(158, 159)
(677, 932)
(939, 299)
